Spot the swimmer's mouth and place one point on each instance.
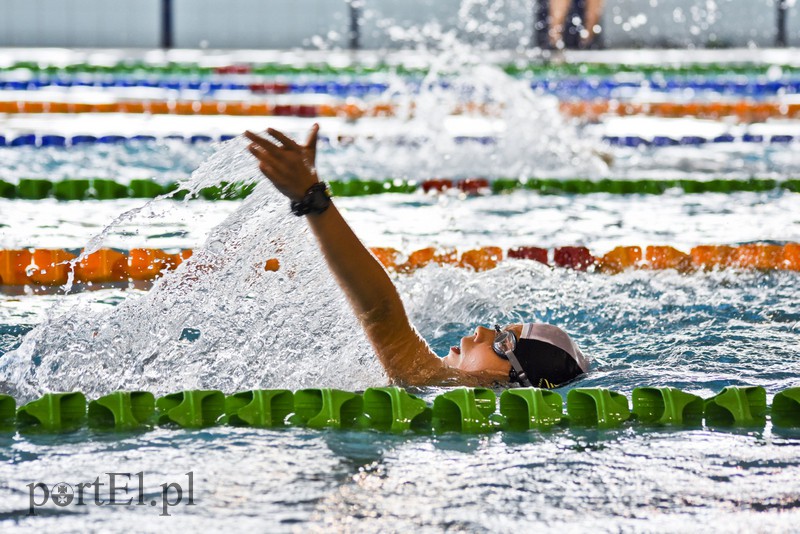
(455, 350)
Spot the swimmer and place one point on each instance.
(538, 355)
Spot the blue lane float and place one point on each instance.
(630, 141)
(635, 141)
(392, 409)
(587, 88)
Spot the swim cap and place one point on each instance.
(548, 356)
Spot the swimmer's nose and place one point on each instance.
(483, 334)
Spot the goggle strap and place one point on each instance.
(521, 376)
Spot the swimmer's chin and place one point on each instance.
(453, 357)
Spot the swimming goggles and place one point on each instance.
(505, 343)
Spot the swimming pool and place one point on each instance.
(699, 331)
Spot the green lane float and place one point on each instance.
(191, 408)
(737, 406)
(261, 408)
(666, 406)
(519, 68)
(467, 410)
(122, 410)
(598, 407)
(393, 409)
(531, 408)
(106, 189)
(139, 188)
(71, 189)
(8, 411)
(786, 408)
(53, 412)
(34, 189)
(328, 408)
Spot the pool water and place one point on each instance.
(700, 332)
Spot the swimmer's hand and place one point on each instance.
(287, 164)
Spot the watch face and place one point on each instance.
(320, 200)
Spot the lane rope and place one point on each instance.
(392, 409)
(77, 189)
(54, 267)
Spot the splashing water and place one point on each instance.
(500, 128)
(221, 321)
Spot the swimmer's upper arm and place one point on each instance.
(405, 355)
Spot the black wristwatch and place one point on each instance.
(316, 200)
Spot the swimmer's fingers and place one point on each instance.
(266, 157)
(288, 166)
(285, 141)
(311, 143)
(264, 144)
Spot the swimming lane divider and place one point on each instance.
(249, 69)
(392, 409)
(107, 189)
(744, 110)
(41, 268)
(583, 88)
(631, 141)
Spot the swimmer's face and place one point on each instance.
(475, 353)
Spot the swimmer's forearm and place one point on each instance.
(361, 276)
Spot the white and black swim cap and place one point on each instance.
(549, 357)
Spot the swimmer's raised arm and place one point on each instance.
(407, 358)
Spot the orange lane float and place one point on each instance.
(148, 263)
(620, 259)
(791, 257)
(758, 256)
(387, 256)
(481, 259)
(132, 107)
(711, 256)
(49, 267)
(664, 257)
(745, 111)
(104, 265)
(421, 258)
(13, 266)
